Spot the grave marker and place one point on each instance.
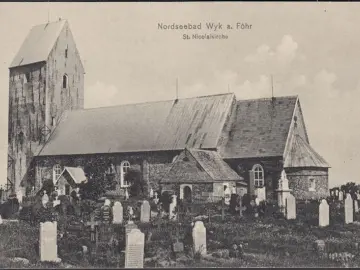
(323, 214)
(172, 206)
(199, 237)
(117, 213)
(341, 195)
(48, 242)
(290, 207)
(349, 214)
(45, 199)
(134, 252)
(356, 206)
(145, 212)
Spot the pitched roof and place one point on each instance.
(77, 174)
(38, 43)
(199, 166)
(260, 128)
(302, 155)
(152, 126)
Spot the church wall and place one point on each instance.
(299, 182)
(272, 171)
(27, 102)
(153, 169)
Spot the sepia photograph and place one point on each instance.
(179, 134)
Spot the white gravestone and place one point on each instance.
(126, 194)
(151, 194)
(283, 191)
(341, 195)
(324, 214)
(48, 242)
(156, 199)
(227, 195)
(349, 215)
(117, 211)
(45, 199)
(134, 252)
(145, 212)
(257, 201)
(172, 206)
(290, 207)
(19, 196)
(1, 221)
(261, 193)
(233, 190)
(199, 237)
(356, 206)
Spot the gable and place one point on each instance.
(38, 44)
(152, 126)
(260, 128)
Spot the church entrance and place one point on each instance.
(187, 194)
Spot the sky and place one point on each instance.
(311, 49)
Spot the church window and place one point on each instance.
(27, 77)
(125, 166)
(65, 81)
(56, 172)
(312, 184)
(258, 175)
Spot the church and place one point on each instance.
(196, 146)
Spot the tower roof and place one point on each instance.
(38, 43)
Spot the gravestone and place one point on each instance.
(349, 214)
(126, 194)
(117, 213)
(134, 252)
(151, 193)
(1, 220)
(156, 199)
(356, 206)
(48, 242)
(341, 195)
(105, 211)
(172, 207)
(323, 214)
(56, 201)
(227, 195)
(45, 199)
(19, 196)
(199, 237)
(145, 212)
(290, 207)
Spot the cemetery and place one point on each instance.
(164, 231)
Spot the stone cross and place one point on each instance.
(199, 237)
(117, 213)
(341, 195)
(94, 229)
(48, 242)
(290, 207)
(349, 214)
(134, 251)
(323, 214)
(241, 208)
(145, 212)
(45, 199)
(172, 206)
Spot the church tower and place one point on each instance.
(46, 78)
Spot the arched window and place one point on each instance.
(65, 81)
(125, 166)
(56, 172)
(258, 175)
(66, 51)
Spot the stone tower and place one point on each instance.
(46, 78)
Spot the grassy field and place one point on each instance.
(267, 242)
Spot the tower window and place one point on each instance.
(65, 81)
(66, 51)
(56, 172)
(258, 175)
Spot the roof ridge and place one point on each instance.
(151, 102)
(269, 98)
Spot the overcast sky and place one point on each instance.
(312, 50)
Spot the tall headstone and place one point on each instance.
(126, 194)
(134, 252)
(290, 207)
(227, 195)
(145, 212)
(117, 213)
(283, 191)
(324, 214)
(341, 195)
(105, 211)
(356, 206)
(48, 242)
(172, 206)
(349, 214)
(261, 193)
(45, 199)
(199, 237)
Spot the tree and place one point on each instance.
(136, 182)
(96, 182)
